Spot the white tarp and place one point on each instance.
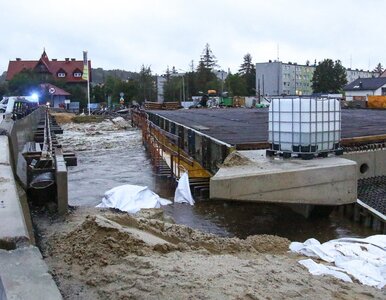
(363, 259)
(183, 194)
(131, 198)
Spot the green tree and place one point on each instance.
(247, 72)
(147, 88)
(329, 77)
(379, 69)
(3, 89)
(24, 83)
(173, 89)
(98, 93)
(205, 78)
(236, 85)
(208, 59)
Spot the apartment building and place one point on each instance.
(275, 78)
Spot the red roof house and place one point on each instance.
(69, 70)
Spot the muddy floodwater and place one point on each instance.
(108, 157)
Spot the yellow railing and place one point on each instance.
(163, 145)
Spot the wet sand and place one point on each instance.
(99, 254)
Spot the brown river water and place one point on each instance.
(110, 158)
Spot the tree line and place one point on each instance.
(142, 86)
(329, 76)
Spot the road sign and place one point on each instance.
(51, 90)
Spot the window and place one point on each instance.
(77, 74)
(61, 74)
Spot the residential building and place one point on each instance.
(67, 70)
(56, 96)
(355, 74)
(360, 88)
(275, 78)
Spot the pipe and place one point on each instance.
(42, 180)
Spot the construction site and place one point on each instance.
(53, 181)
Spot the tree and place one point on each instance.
(208, 60)
(24, 83)
(147, 88)
(236, 85)
(329, 77)
(247, 72)
(98, 93)
(173, 89)
(205, 78)
(379, 69)
(3, 89)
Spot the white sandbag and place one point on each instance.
(131, 198)
(183, 194)
(363, 259)
(319, 269)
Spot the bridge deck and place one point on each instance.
(244, 126)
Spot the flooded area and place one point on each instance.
(108, 157)
(212, 250)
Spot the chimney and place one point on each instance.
(54, 59)
(72, 59)
(18, 59)
(67, 59)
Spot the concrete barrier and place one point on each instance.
(369, 163)
(24, 275)
(13, 228)
(23, 272)
(326, 181)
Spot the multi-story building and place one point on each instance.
(355, 74)
(275, 78)
(68, 70)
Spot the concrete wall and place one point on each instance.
(13, 228)
(23, 272)
(327, 181)
(369, 163)
(20, 132)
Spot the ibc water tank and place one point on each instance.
(304, 125)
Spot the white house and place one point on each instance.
(360, 88)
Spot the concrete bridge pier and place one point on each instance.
(304, 183)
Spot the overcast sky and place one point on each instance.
(121, 34)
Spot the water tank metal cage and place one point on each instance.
(306, 127)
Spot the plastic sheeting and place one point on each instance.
(131, 198)
(183, 194)
(363, 259)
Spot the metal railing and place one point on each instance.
(162, 145)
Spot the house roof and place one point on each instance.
(69, 66)
(58, 91)
(368, 84)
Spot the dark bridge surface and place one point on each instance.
(246, 126)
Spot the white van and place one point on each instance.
(3, 104)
